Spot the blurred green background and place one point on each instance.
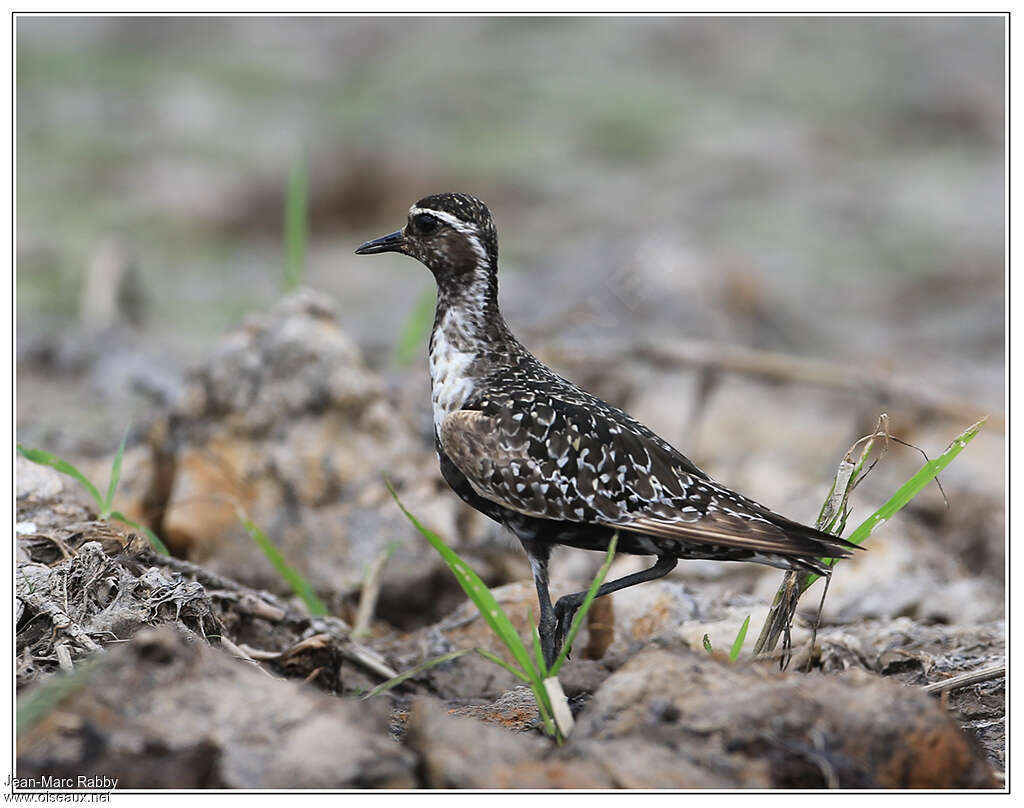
(828, 187)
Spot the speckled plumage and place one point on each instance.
(552, 462)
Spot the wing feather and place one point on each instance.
(568, 463)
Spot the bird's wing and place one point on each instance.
(557, 460)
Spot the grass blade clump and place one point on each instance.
(296, 224)
(299, 585)
(42, 699)
(833, 519)
(911, 488)
(154, 540)
(538, 652)
(384, 687)
(104, 505)
(416, 328)
(476, 590)
(115, 478)
(528, 668)
(737, 644)
(44, 458)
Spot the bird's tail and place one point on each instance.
(812, 546)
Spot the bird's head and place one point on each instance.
(452, 234)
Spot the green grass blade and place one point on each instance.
(538, 653)
(497, 660)
(300, 586)
(910, 488)
(42, 699)
(115, 478)
(296, 226)
(154, 540)
(577, 620)
(737, 644)
(44, 458)
(397, 680)
(540, 695)
(543, 701)
(477, 592)
(416, 328)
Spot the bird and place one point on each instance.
(553, 463)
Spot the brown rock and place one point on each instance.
(515, 710)
(459, 752)
(47, 499)
(635, 762)
(853, 731)
(160, 712)
(286, 422)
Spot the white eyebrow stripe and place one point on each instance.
(444, 216)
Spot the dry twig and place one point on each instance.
(965, 679)
(793, 369)
(370, 592)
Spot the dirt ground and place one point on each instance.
(755, 235)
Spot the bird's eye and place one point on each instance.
(425, 224)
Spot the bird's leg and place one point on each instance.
(567, 605)
(538, 553)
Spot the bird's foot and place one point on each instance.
(565, 610)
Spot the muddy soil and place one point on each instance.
(202, 669)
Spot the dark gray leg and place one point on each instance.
(538, 553)
(567, 605)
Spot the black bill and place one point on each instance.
(392, 242)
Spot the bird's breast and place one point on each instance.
(452, 380)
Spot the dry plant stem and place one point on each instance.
(315, 643)
(559, 706)
(371, 591)
(965, 679)
(797, 370)
(40, 604)
(353, 652)
(238, 653)
(258, 654)
(779, 617)
(816, 372)
(263, 604)
(369, 659)
(833, 507)
(248, 603)
(65, 551)
(259, 604)
(831, 518)
(234, 650)
(64, 657)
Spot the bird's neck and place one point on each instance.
(467, 316)
(469, 341)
